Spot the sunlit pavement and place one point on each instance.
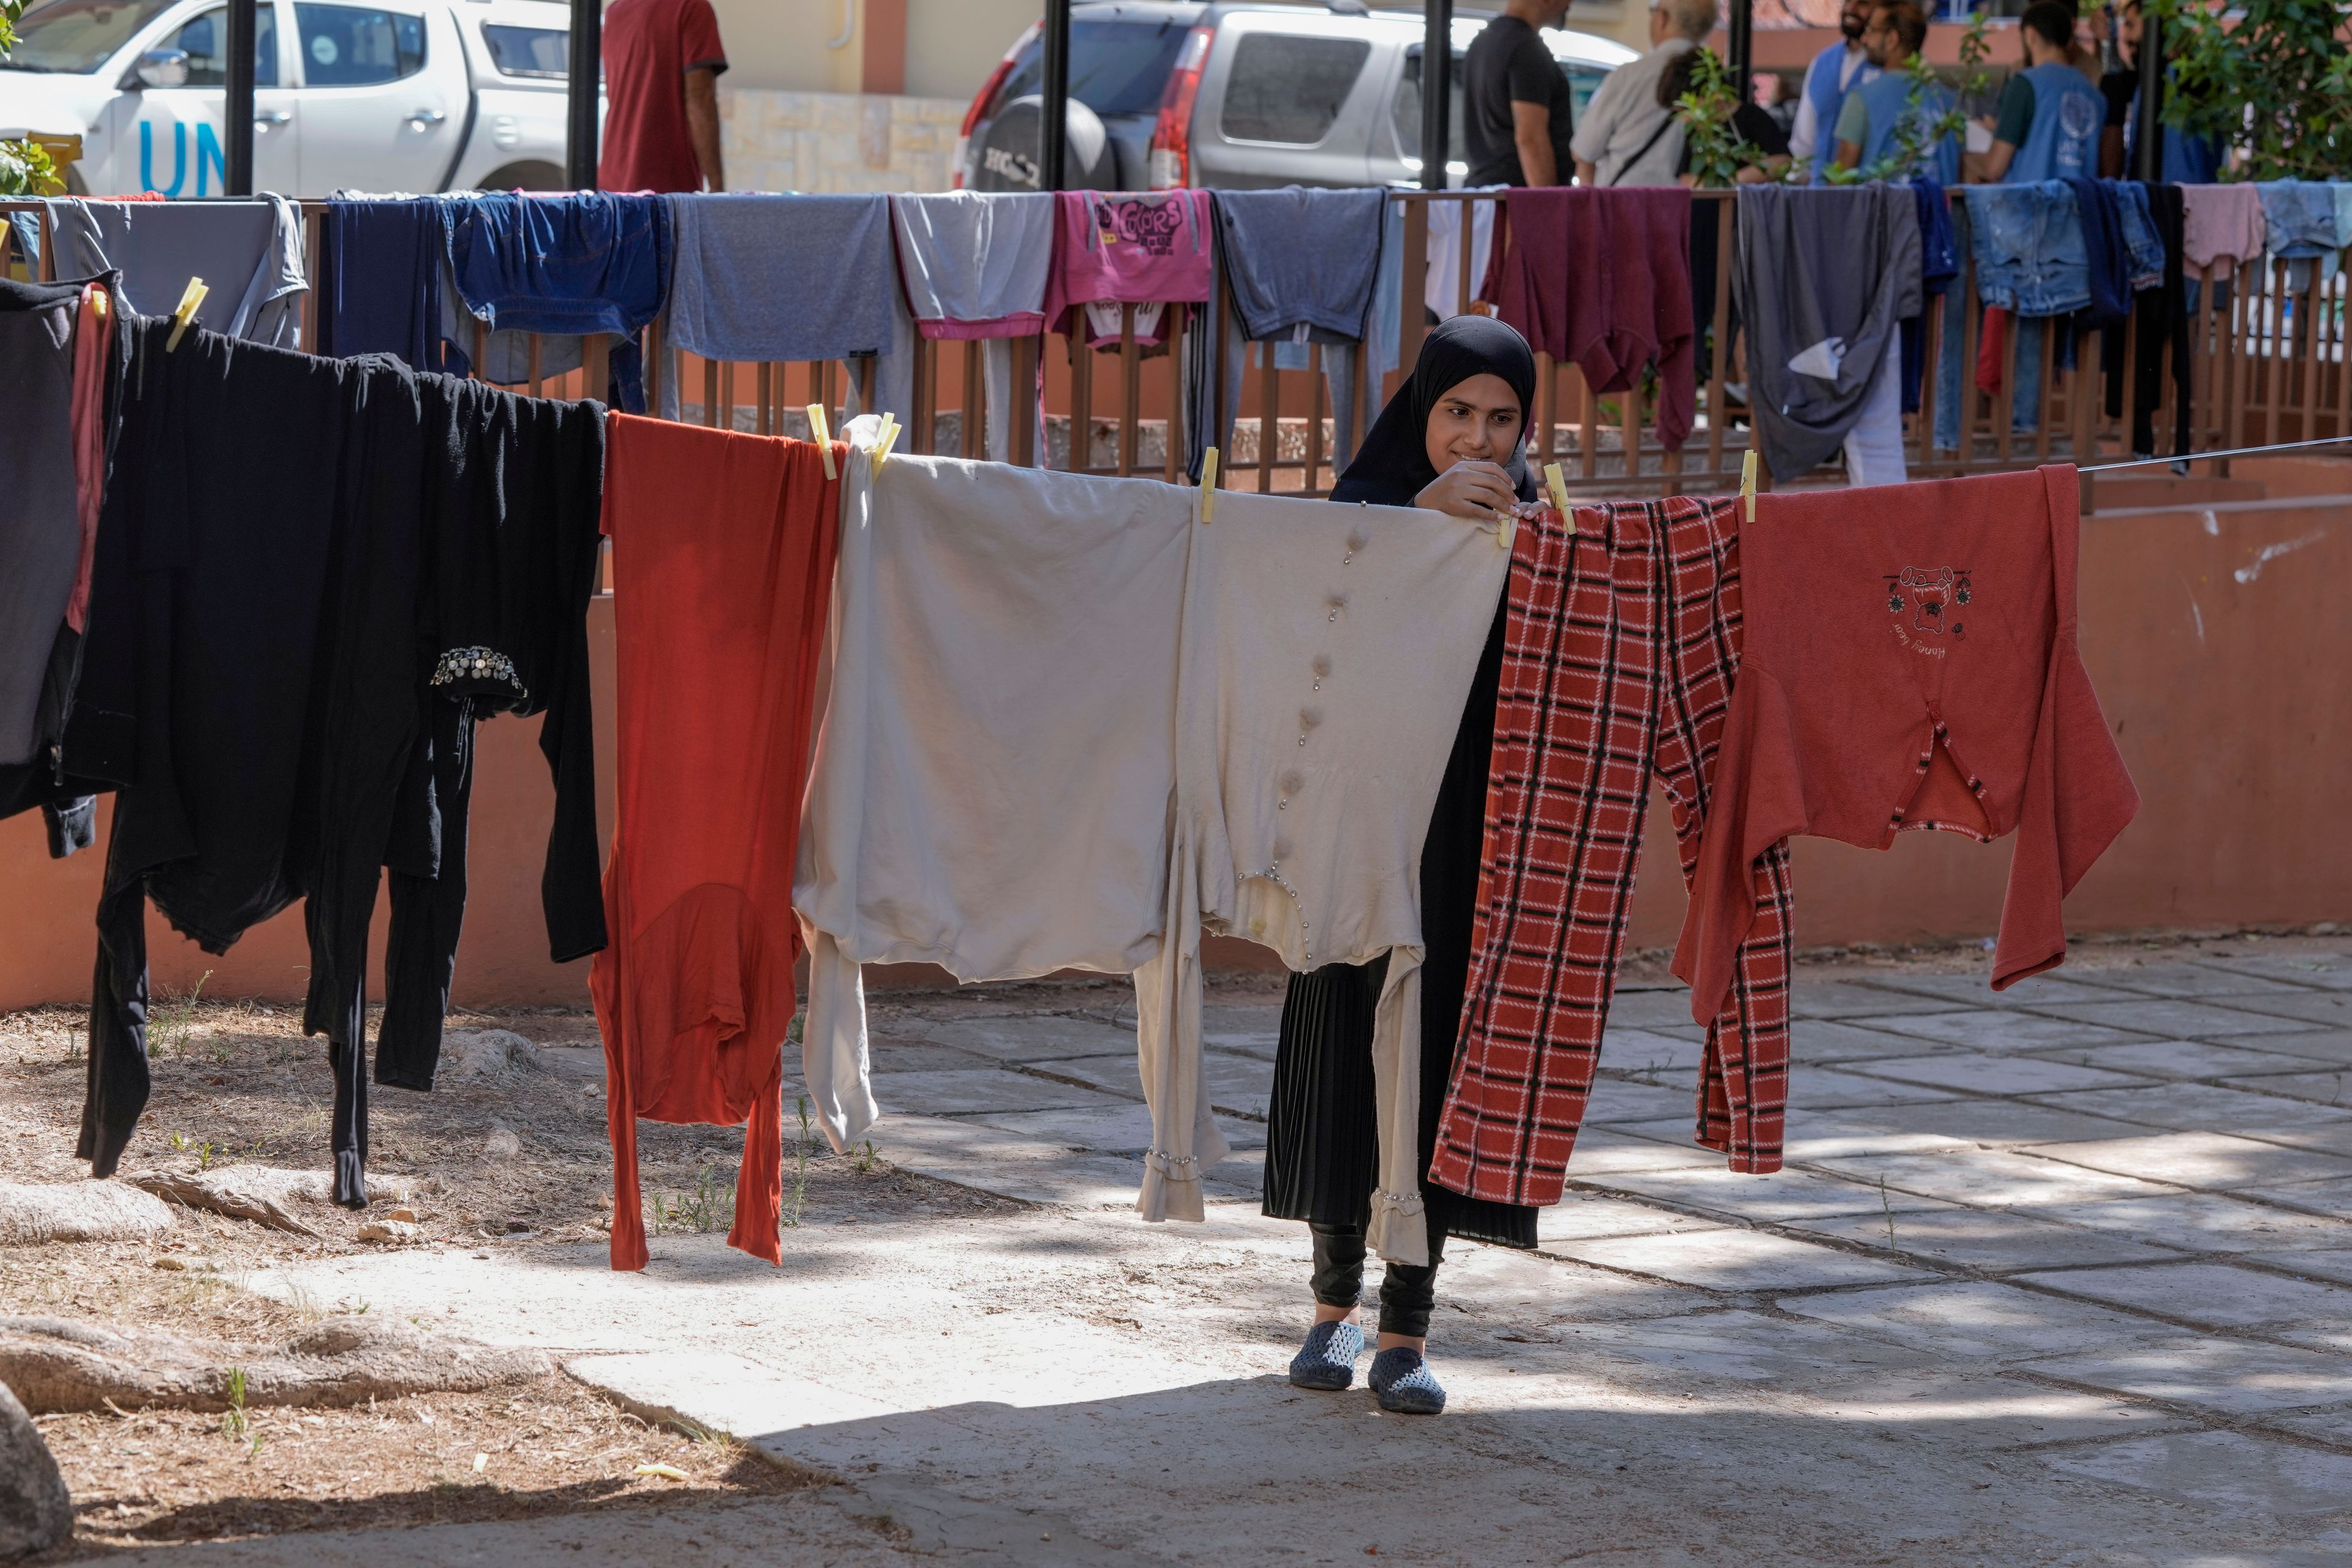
(2063, 1275)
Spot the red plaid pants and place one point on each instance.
(1622, 646)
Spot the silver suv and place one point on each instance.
(1180, 92)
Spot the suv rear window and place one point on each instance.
(529, 52)
(1117, 67)
(1289, 88)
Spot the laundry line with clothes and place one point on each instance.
(1256, 705)
(789, 300)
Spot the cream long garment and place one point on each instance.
(995, 771)
(1328, 653)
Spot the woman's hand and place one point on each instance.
(1480, 491)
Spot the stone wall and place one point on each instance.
(832, 141)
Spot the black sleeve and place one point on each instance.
(1760, 131)
(1531, 73)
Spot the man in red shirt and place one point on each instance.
(662, 60)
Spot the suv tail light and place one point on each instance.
(971, 117)
(1172, 137)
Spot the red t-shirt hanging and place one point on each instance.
(649, 45)
(1911, 662)
(722, 565)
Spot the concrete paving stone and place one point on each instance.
(2182, 980)
(1781, 1197)
(1974, 1238)
(1810, 1135)
(2239, 1376)
(2330, 1046)
(2333, 1264)
(1249, 1031)
(1981, 1410)
(1829, 1040)
(2205, 1221)
(1662, 1009)
(1113, 1128)
(1236, 1082)
(1977, 1320)
(906, 1054)
(2209, 1295)
(2211, 1161)
(1515, 1294)
(976, 1089)
(1593, 1216)
(1992, 1122)
(1831, 999)
(1735, 1347)
(1620, 1099)
(2311, 1010)
(993, 1159)
(2188, 1060)
(1988, 1178)
(1976, 990)
(1643, 1050)
(1604, 1151)
(1985, 1029)
(2215, 1108)
(2332, 1088)
(2229, 1472)
(2178, 1018)
(2330, 971)
(1831, 1088)
(2333, 1198)
(1734, 1260)
(1977, 1073)
(1031, 1038)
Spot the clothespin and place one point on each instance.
(1747, 482)
(1557, 484)
(1209, 485)
(824, 434)
(890, 438)
(185, 312)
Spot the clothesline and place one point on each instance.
(2188, 458)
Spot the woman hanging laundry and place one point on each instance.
(1450, 441)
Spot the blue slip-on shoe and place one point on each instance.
(1327, 1360)
(1402, 1381)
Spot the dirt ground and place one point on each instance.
(236, 1083)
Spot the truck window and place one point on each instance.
(351, 46)
(1407, 113)
(1116, 67)
(205, 43)
(529, 52)
(1287, 88)
(76, 36)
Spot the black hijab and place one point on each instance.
(1392, 465)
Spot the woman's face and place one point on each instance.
(1477, 421)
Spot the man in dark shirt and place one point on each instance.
(1515, 100)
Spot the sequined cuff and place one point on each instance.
(469, 670)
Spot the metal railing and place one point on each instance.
(2266, 356)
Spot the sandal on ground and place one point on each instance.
(1402, 1379)
(1327, 1360)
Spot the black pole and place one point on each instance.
(1052, 130)
(237, 103)
(1741, 47)
(587, 71)
(1436, 92)
(2147, 124)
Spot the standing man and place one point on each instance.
(1515, 110)
(1871, 125)
(2186, 160)
(2047, 126)
(1629, 137)
(1835, 71)
(662, 60)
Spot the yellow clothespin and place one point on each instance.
(185, 312)
(1747, 482)
(1209, 486)
(890, 438)
(1557, 484)
(823, 435)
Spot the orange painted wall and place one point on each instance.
(2219, 641)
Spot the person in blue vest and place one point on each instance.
(1836, 72)
(2048, 123)
(1871, 126)
(2187, 160)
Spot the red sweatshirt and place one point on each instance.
(1911, 663)
(722, 567)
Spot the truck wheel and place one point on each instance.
(526, 176)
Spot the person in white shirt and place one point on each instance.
(1835, 71)
(1626, 136)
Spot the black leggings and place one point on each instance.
(1408, 1290)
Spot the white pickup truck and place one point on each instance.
(377, 95)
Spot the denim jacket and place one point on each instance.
(2028, 241)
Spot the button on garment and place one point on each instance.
(1618, 660)
(1912, 666)
(1328, 652)
(723, 548)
